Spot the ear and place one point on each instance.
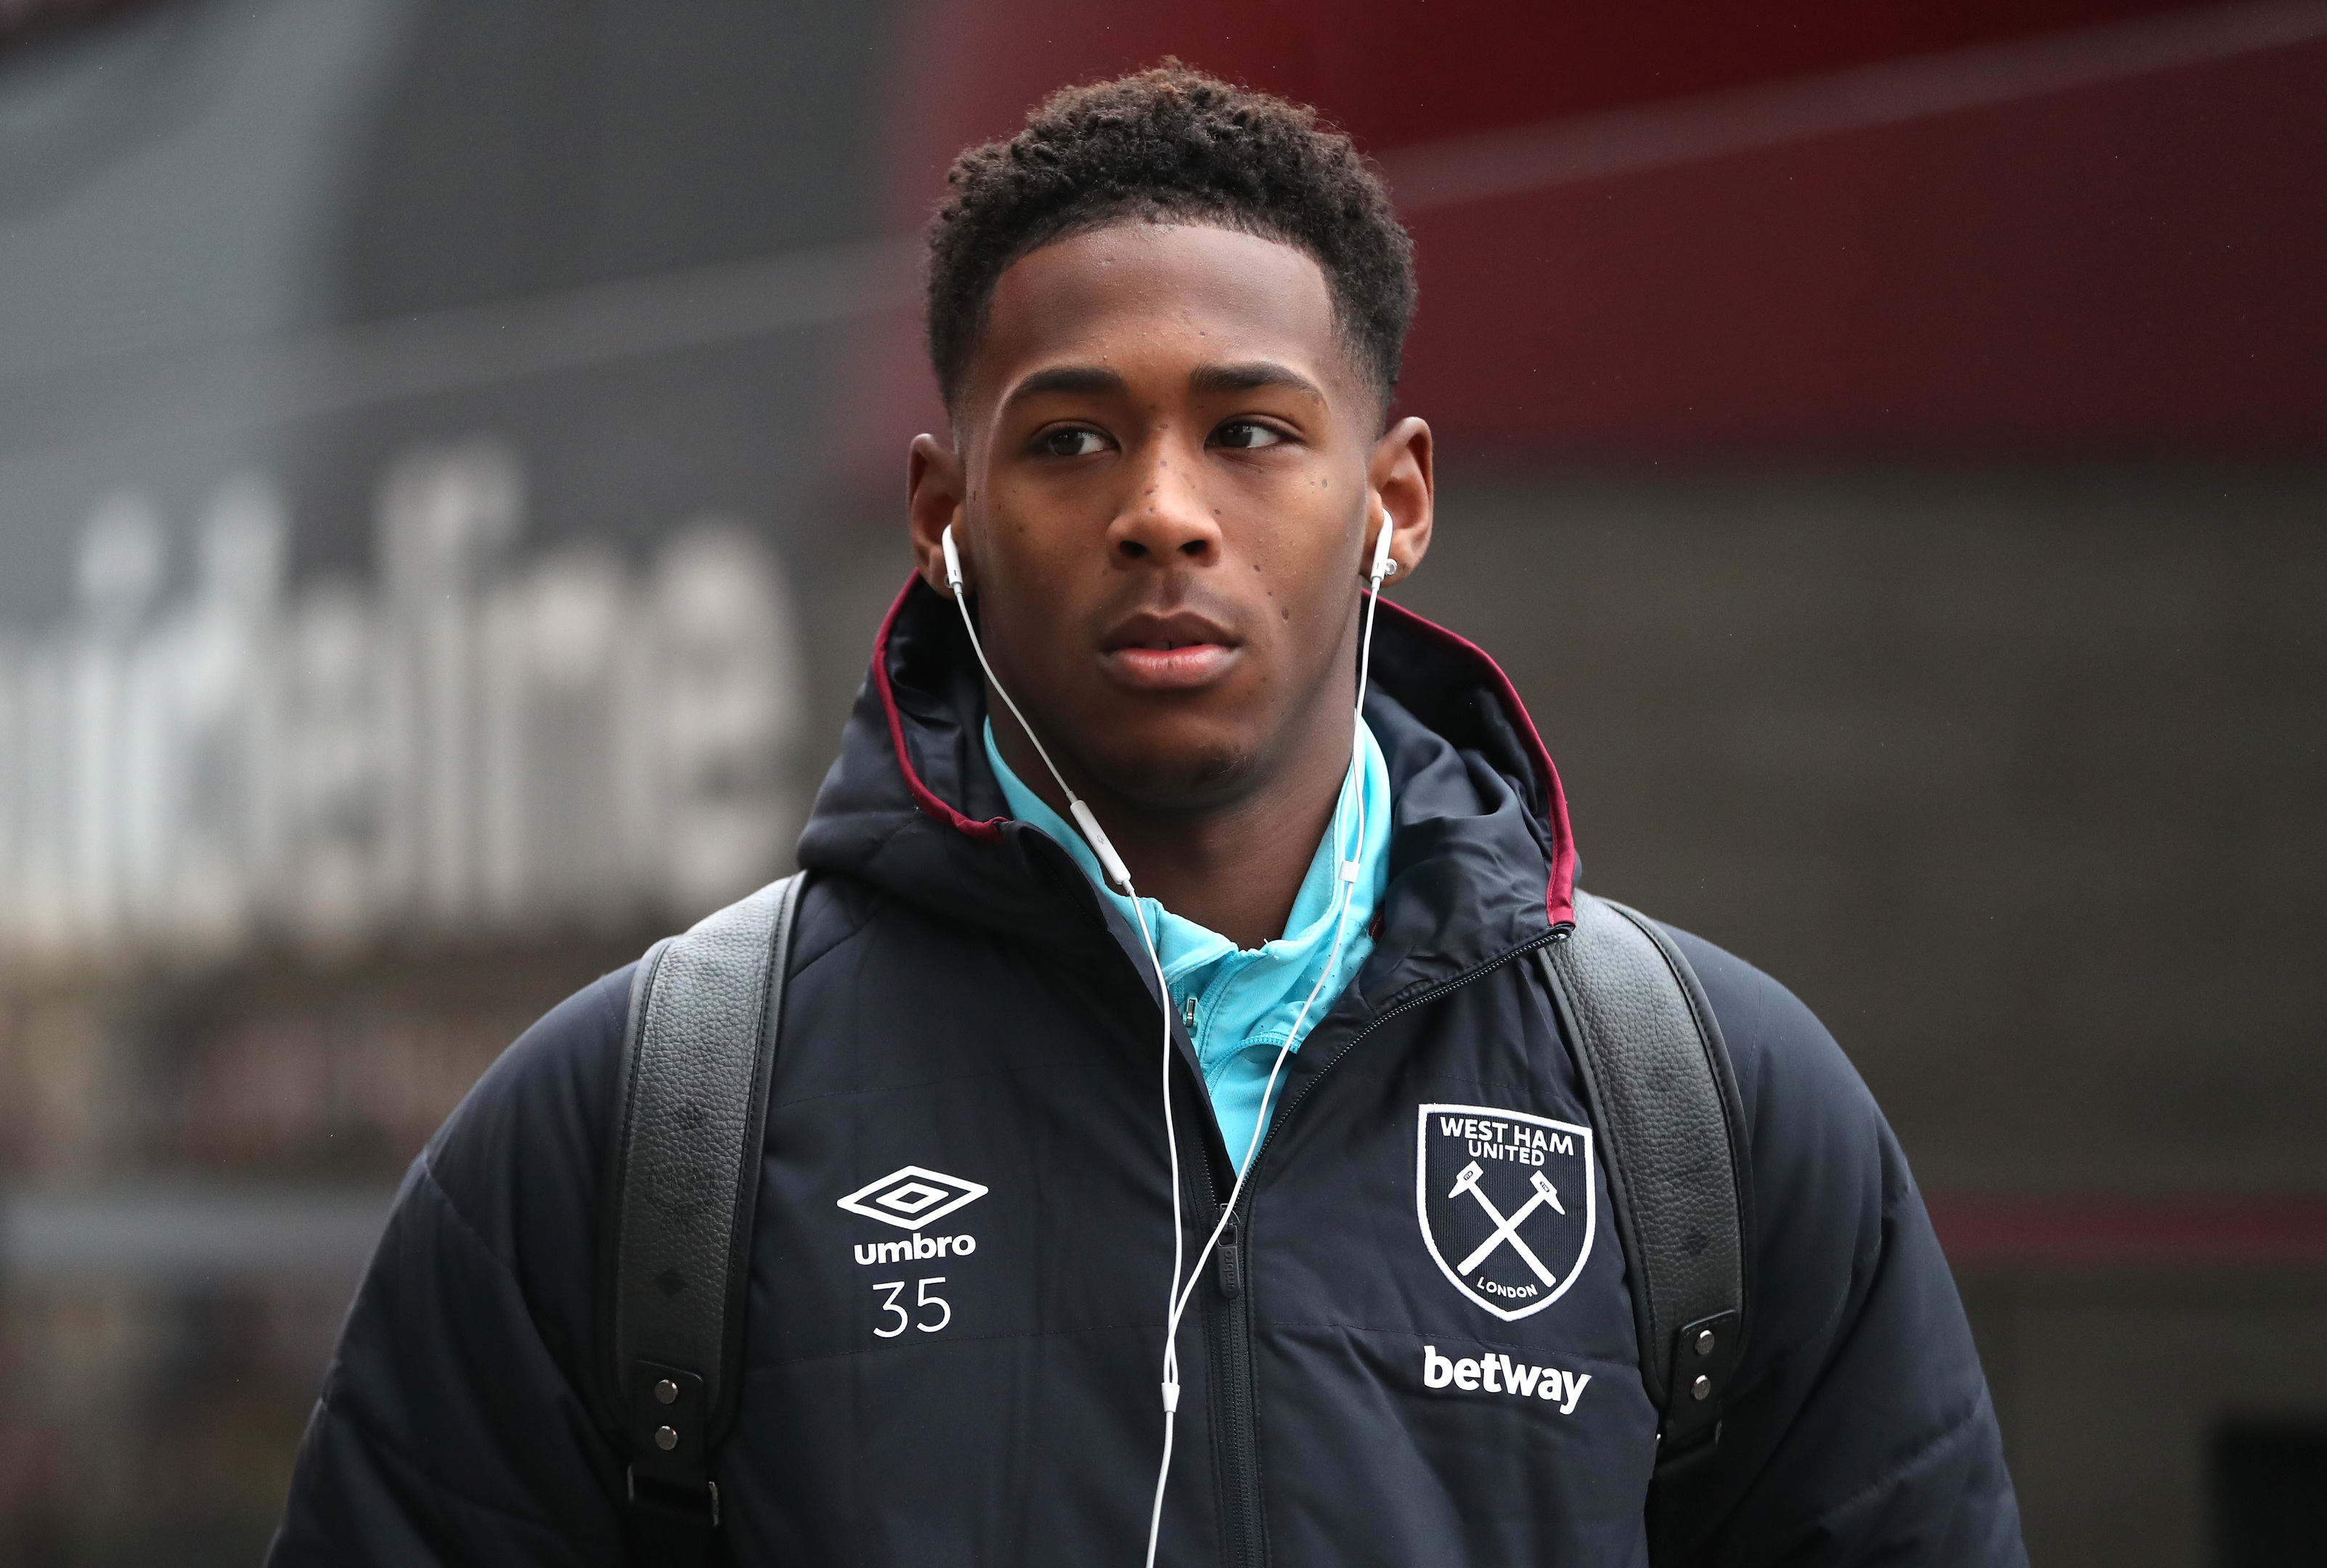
(934, 492)
(1400, 481)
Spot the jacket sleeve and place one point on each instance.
(452, 1427)
(1859, 1430)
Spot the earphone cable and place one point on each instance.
(1183, 1287)
(1345, 879)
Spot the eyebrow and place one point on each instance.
(1247, 377)
(1087, 379)
(1098, 380)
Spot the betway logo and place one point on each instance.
(1497, 1374)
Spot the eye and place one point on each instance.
(1244, 435)
(1073, 442)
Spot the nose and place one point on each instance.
(1167, 521)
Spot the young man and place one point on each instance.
(1166, 317)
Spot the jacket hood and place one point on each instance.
(1482, 861)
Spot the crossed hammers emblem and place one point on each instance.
(1507, 1230)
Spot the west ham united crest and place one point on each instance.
(1506, 1203)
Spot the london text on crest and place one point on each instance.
(1506, 1203)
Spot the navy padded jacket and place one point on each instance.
(962, 1004)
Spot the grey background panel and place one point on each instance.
(2005, 772)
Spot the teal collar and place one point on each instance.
(1239, 1004)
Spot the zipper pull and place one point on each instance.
(1231, 1275)
(1187, 1016)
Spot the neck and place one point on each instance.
(1234, 867)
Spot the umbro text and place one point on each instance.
(915, 1246)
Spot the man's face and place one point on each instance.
(1165, 479)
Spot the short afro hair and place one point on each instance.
(1164, 145)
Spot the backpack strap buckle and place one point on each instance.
(675, 1499)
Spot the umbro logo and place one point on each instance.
(910, 1196)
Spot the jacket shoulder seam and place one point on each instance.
(469, 1227)
(394, 1451)
(855, 921)
(1890, 1475)
(392, 1446)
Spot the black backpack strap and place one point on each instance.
(1665, 1101)
(676, 1215)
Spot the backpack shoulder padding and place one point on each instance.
(1657, 1075)
(682, 1180)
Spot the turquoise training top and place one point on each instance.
(1239, 1004)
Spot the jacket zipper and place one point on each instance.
(1228, 1336)
(1228, 1345)
(1228, 1307)
(1421, 998)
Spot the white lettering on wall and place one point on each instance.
(482, 742)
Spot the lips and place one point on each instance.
(1175, 652)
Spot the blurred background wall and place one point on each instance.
(450, 459)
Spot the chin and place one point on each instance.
(1176, 772)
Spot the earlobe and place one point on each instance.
(1402, 481)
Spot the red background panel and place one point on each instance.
(2131, 262)
(2136, 263)
(1395, 71)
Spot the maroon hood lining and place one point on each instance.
(1559, 894)
(988, 832)
(1559, 891)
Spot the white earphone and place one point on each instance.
(1116, 871)
(1184, 1280)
